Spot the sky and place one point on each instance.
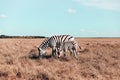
(79, 18)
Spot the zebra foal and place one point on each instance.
(71, 46)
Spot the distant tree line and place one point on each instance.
(6, 36)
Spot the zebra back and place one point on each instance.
(57, 40)
(62, 38)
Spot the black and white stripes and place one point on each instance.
(54, 42)
(71, 46)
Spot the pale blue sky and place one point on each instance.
(80, 18)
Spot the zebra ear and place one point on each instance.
(39, 49)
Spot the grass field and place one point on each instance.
(99, 60)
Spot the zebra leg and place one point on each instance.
(75, 51)
(64, 50)
(53, 51)
(60, 53)
(75, 54)
(70, 50)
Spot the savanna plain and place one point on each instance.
(99, 59)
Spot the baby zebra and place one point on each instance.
(71, 46)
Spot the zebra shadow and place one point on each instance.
(39, 57)
(34, 57)
(34, 54)
(49, 57)
(64, 59)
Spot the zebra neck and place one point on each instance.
(44, 44)
(44, 47)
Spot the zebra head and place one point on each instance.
(41, 52)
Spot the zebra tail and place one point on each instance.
(79, 47)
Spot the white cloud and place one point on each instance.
(86, 30)
(99, 33)
(3, 16)
(103, 4)
(70, 10)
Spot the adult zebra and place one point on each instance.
(54, 42)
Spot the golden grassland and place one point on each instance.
(99, 60)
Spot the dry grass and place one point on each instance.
(99, 60)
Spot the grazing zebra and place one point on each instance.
(71, 46)
(54, 42)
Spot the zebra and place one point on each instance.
(71, 46)
(53, 42)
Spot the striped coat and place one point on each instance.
(54, 42)
(72, 46)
